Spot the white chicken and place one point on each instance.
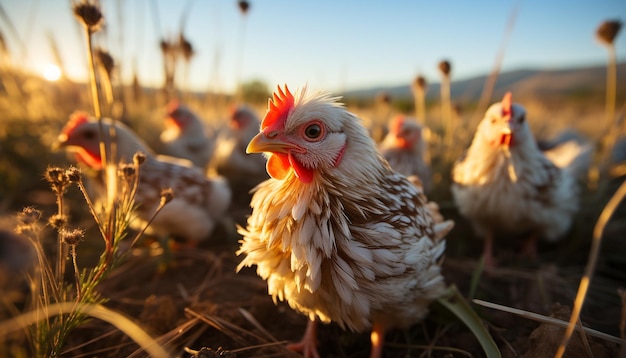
(404, 148)
(336, 232)
(243, 171)
(505, 185)
(185, 136)
(199, 202)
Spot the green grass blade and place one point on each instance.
(456, 303)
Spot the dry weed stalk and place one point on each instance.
(244, 8)
(48, 287)
(549, 320)
(127, 326)
(57, 308)
(606, 34)
(490, 83)
(446, 105)
(594, 252)
(419, 88)
(187, 53)
(105, 65)
(169, 50)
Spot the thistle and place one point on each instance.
(169, 50)
(90, 15)
(244, 6)
(187, 52)
(606, 34)
(608, 31)
(445, 69)
(419, 88)
(105, 65)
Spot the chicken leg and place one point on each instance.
(308, 345)
(488, 260)
(378, 339)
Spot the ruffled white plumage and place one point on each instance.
(199, 202)
(516, 189)
(358, 244)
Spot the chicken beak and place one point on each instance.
(506, 137)
(59, 143)
(269, 142)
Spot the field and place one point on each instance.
(194, 303)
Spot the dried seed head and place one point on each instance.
(185, 47)
(607, 31)
(105, 60)
(167, 47)
(384, 97)
(73, 175)
(55, 175)
(445, 67)
(89, 14)
(419, 83)
(244, 6)
(57, 221)
(71, 236)
(139, 158)
(127, 171)
(28, 216)
(167, 195)
(57, 179)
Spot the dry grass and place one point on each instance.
(199, 306)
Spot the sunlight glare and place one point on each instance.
(51, 72)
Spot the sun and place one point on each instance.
(51, 72)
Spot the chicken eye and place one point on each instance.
(89, 135)
(313, 131)
(521, 119)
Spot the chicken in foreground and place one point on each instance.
(185, 136)
(199, 202)
(243, 171)
(335, 231)
(404, 148)
(506, 186)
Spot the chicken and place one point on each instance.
(505, 185)
(199, 202)
(404, 148)
(185, 136)
(230, 160)
(335, 231)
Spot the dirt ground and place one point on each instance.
(197, 305)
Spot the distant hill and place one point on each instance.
(582, 82)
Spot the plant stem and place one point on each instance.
(76, 274)
(97, 107)
(604, 218)
(61, 254)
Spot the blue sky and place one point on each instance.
(328, 44)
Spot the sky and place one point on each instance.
(334, 45)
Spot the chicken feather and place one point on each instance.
(199, 203)
(504, 184)
(351, 241)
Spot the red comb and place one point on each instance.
(278, 107)
(506, 104)
(396, 124)
(76, 119)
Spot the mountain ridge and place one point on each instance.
(524, 82)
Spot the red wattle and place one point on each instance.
(506, 139)
(91, 160)
(278, 166)
(304, 174)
